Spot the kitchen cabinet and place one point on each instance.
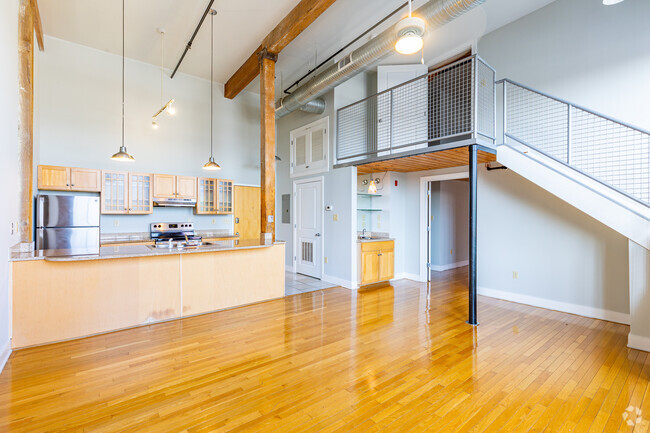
(224, 196)
(126, 193)
(376, 262)
(171, 186)
(56, 178)
(206, 202)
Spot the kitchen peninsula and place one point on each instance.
(61, 298)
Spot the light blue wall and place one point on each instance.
(78, 124)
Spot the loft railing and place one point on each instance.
(452, 103)
(609, 151)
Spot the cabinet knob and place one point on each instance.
(379, 254)
(67, 184)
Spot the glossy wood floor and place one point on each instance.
(397, 358)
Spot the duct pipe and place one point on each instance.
(436, 13)
(315, 106)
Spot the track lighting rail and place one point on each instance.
(189, 44)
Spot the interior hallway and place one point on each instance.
(397, 358)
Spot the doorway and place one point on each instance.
(308, 227)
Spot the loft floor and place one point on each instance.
(396, 358)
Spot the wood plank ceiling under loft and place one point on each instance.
(456, 157)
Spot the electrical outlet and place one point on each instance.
(515, 275)
(325, 260)
(451, 252)
(116, 223)
(214, 220)
(335, 217)
(12, 228)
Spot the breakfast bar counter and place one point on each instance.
(62, 298)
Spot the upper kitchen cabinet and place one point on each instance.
(224, 196)
(126, 193)
(68, 179)
(206, 202)
(170, 186)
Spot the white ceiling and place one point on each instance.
(241, 25)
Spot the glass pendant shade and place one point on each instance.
(372, 188)
(123, 155)
(211, 165)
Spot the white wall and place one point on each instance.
(78, 124)
(582, 51)
(9, 160)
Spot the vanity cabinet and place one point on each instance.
(376, 262)
(54, 178)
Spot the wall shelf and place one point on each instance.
(365, 194)
(369, 210)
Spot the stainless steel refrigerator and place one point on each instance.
(67, 225)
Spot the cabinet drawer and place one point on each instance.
(376, 246)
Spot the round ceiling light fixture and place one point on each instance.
(409, 32)
(611, 2)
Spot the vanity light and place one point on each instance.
(211, 164)
(410, 31)
(123, 155)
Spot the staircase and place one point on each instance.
(595, 163)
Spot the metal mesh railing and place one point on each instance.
(608, 150)
(457, 100)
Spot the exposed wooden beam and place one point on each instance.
(266, 65)
(38, 27)
(286, 31)
(25, 117)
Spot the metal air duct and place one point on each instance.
(436, 13)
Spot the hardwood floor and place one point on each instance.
(396, 358)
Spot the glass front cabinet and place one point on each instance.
(126, 193)
(224, 196)
(215, 196)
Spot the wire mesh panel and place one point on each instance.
(537, 120)
(611, 152)
(608, 150)
(419, 113)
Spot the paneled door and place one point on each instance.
(140, 193)
(308, 227)
(85, 179)
(185, 187)
(247, 212)
(164, 186)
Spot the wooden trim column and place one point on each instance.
(25, 117)
(267, 143)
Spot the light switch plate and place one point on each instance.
(335, 217)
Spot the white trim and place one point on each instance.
(638, 342)
(549, 304)
(440, 268)
(462, 173)
(408, 276)
(338, 281)
(354, 264)
(320, 179)
(4, 354)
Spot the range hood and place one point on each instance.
(174, 202)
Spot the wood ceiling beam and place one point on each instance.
(38, 27)
(286, 31)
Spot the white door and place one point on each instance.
(308, 230)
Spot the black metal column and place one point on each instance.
(473, 150)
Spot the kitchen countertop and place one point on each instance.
(363, 241)
(128, 251)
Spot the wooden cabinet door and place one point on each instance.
(369, 267)
(164, 186)
(85, 179)
(185, 187)
(225, 196)
(115, 192)
(206, 202)
(386, 265)
(247, 211)
(140, 193)
(53, 178)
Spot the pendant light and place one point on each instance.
(123, 155)
(167, 107)
(211, 165)
(410, 31)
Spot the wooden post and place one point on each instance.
(25, 117)
(267, 143)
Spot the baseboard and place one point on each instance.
(338, 281)
(407, 276)
(4, 354)
(638, 342)
(565, 307)
(440, 268)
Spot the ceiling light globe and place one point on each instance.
(611, 2)
(409, 33)
(409, 44)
